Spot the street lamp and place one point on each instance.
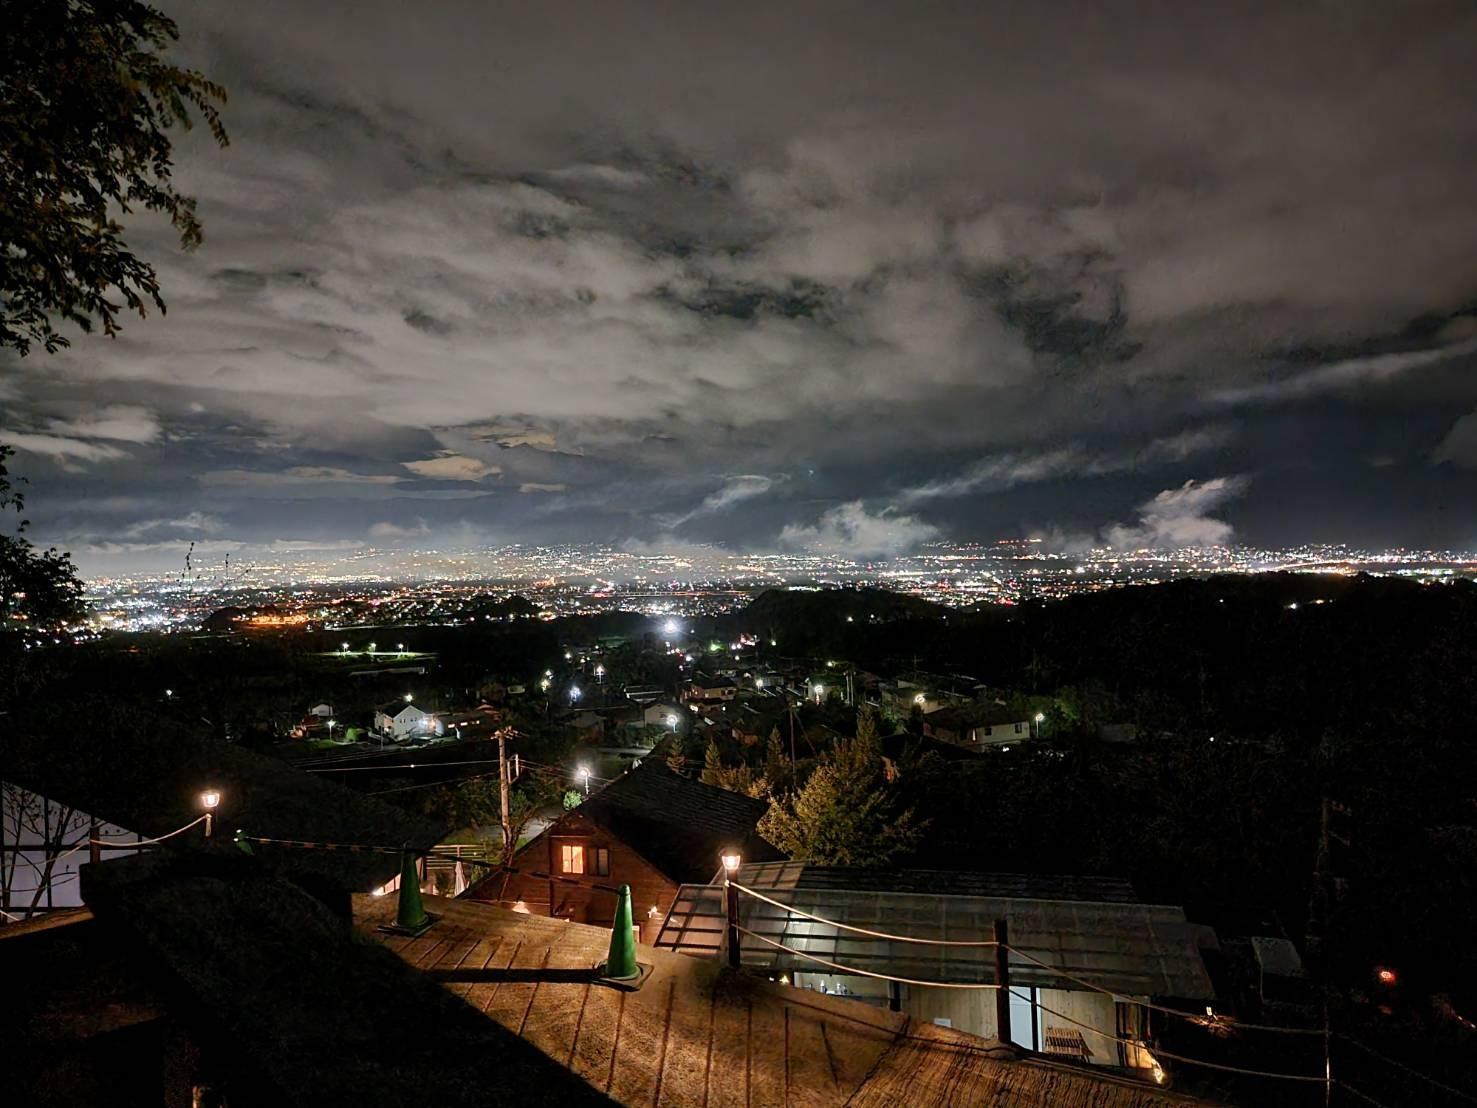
(331, 725)
(345, 647)
(407, 698)
(574, 693)
(583, 773)
(600, 673)
(168, 693)
(371, 647)
(820, 691)
(400, 646)
(672, 722)
(210, 800)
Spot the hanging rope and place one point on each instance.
(1158, 1053)
(149, 842)
(1191, 1016)
(860, 930)
(840, 968)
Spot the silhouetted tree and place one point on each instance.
(846, 813)
(86, 105)
(38, 588)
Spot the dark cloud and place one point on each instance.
(813, 274)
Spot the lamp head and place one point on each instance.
(210, 799)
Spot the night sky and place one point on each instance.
(849, 276)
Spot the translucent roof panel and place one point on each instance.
(1130, 949)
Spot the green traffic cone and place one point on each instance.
(620, 964)
(410, 913)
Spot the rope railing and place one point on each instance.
(1203, 1021)
(1192, 1017)
(861, 930)
(841, 968)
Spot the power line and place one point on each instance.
(1362, 1096)
(1408, 1069)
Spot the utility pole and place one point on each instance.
(505, 808)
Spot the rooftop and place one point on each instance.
(677, 823)
(1129, 948)
(694, 1034)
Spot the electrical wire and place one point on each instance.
(1408, 1069)
(860, 930)
(1362, 1096)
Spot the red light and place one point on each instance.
(1386, 976)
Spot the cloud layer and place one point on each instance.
(855, 276)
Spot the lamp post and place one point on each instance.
(731, 859)
(672, 722)
(583, 773)
(331, 725)
(1038, 719)
(210, 800)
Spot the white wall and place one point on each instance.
(29, 820)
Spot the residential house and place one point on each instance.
(710, 690)
(1083, 949)
(480, 722)
(978, 727)
(322, 711)
(650, 828)
(403, 720)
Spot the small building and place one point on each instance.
(322, 711)
(977, 727)
(650, 828)
(664, 715)
(403, 720)
(710, 690)
(480, 722)
(1083, 948)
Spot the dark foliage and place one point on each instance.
(86, 106)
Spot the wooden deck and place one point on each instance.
(695, 1035)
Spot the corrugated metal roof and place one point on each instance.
(694, 1034)
(1130, 949)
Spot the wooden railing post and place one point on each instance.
(1002, 979)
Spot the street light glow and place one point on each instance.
(210, 799)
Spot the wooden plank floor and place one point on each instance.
(692, 1035)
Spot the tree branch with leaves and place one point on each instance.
(87, 106)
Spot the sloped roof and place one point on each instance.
(695, 1034)
(677, 823)
(308, 1009)
(148, 777)
(1129, 948)
(1032, 886)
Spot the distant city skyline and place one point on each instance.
(847, 278)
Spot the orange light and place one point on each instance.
(1387, 976)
